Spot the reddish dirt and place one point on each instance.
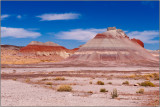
(138, 41)
(35, 48)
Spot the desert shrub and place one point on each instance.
(103, 90)
(64, 88)
(90, 92)
(156, 76)
(126, 83)
(59, 78)
(44, 79)
(49, 83)
(27, 80)
(90, 82)
(100, 83)
(147, 78)
(141, 91)
(109, 82)
(147, 83)
(114, 94)
(14, 79)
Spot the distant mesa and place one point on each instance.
(112, 48)
(46, 49)
(43, 44)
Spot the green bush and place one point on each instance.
(100, 83)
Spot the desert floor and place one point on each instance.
(38, 87)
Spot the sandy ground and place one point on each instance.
(10, 70)
(30, 89)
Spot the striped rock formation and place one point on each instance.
(111, 48)
(46, 49)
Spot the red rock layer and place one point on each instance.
(138, 41)
(36, 48)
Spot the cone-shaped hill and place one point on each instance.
(112, 48)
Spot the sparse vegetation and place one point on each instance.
(147, 83)
(27, 80)
(154, 76)
(90, 92)
(100, 83)
(103, 90)
(114, 94)
(59, 78)
(125, 83)
(44, 79)
(141, 91)
(90, 82)
(49, 83)
(14, 79)
(109, 82)
(64, 88)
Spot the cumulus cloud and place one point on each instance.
(19, 16)
(64, 16)
(18, 33)
(4, 16)
(79, 34)
(145, 36)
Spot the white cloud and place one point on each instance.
(79, 34)
(4, 16)
(64, 16)
(18, 33)
(87, 34)
(145, 36)
(19, 16)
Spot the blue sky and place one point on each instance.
(73, 23)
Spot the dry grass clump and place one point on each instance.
(90, 92)
(100, 83)
(125, 83)
(154, 76)
(44, 79)
(59, 78)
(147, 83)
(64, 88)
(103, 90)
(27, 80)
(14, 79)
(109, 82)
(141, 91)
(49, 83)
(114, 94)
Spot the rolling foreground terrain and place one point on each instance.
(109, 70)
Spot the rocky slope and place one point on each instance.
(112, 48)
(46, 49)
(34, 52)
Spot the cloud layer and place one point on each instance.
(65, 16)
(145, 36)
(4, 16)
(84, 35)
(18, 33)
(79, 34)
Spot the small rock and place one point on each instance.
(136, 84)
